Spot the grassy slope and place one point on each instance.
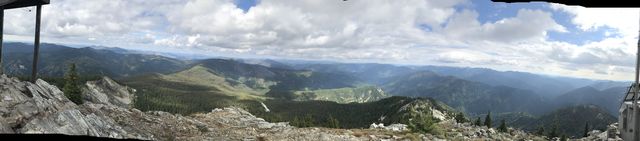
(189, 91)
(200, 90)
(344, 95)
(201, 76)
(169, 93)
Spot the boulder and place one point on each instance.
(107, 91)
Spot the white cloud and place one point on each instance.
(465, 25)
(386, 31)
(614, 56)
(100, 19)
(621, 19)
(301, 24)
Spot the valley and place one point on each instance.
(337, 95)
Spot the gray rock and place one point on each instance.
(491, 131)
(397, 127)
(43, 108)
(610, 134)
(108, 92)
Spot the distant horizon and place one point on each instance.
(309, 61)
(355, 69)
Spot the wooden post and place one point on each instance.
(1, 32)
(34, 72)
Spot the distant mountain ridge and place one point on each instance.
(371, 73)
(609, 99)
(570, 120)
(202, 84)
(295, 79)
(54, 60)
(545, 86)
(468, 96)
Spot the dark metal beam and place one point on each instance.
(584, 3)
(1, 32)
(34, 71)
(10, 4)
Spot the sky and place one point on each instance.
(542, 38)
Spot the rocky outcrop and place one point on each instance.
(106, 91)
(392, 127)
(466, 131)
(42, 108)
(422, 105)
(610, 134)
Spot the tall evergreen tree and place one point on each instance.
(586, 129)
(478, 122)
(309, 121)
(295, 122)
(72, 85)
(540, 130)
(503, 127)
(423, 123)
(460, 118)
(333, 122)
(487, 120)
(554, 132)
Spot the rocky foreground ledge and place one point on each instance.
(27, 108)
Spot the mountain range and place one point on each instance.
(192, 86)
(55, 59)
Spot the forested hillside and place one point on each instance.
(301, 91)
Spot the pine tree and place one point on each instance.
(563, 137)
(308, 121)
(71, 85)
(478, 122)
(540, 130)
(423, 123)
(554, 132)
(586, 130)
(487, 120)
(295, 122)
(333, 122)
(460, 118)
(503, 127)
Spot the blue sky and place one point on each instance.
(245, 4)
(490, 12)
(532, 37)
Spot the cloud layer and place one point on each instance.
(430, 32)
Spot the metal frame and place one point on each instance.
(629, 119)
(10, 4)
(1, 36)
